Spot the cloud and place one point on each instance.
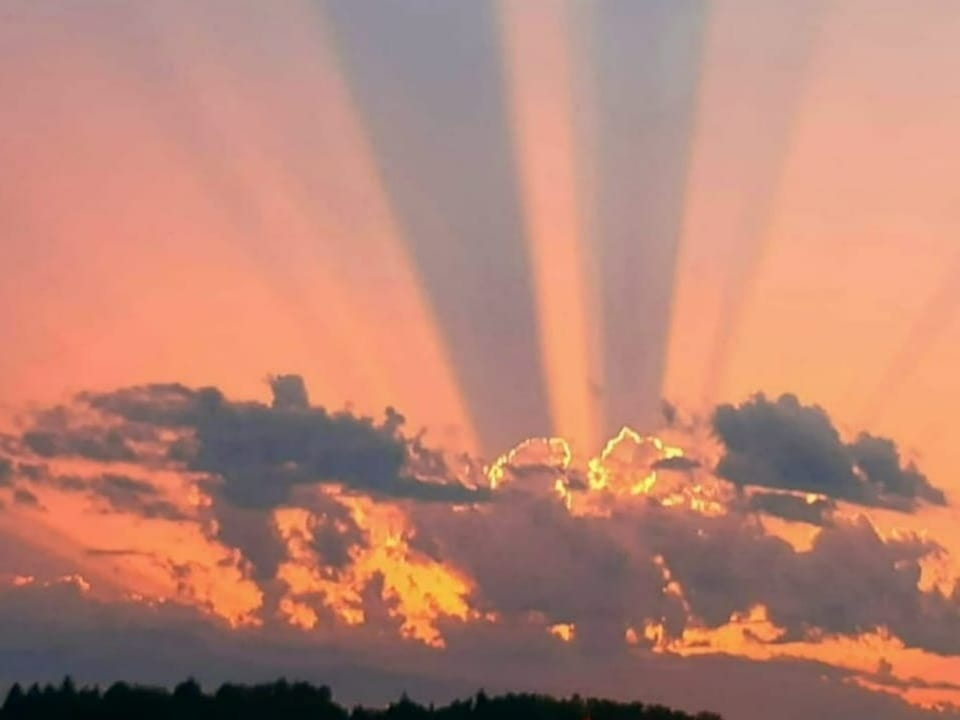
(126, 494)
(54, 435)
(681, 464)
(793, 508)
(257, 453)
(805, 594)
(61, 626)
(879, 460)
(589, 571)
(6, 471)
(119, 493)
(22, 496)
(80, 442)
(787, 445)
(251, 458)
(289, 392)
(608, 572)
(366, 538)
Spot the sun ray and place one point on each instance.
(307, 199)
(441, 139)
(752, 90)
(535, 38)
(637, 145)
(935, 317)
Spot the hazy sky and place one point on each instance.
(235, 233)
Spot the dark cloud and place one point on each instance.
(116, 552)
(32, 471)
(879, 460)
(289, 392)
(604, 572)
(256, 453)
(882, 591)
(261, 453)
(793, 507)
(90, 442)
(69, 483)
(727, 565)
(126, 494)
(121, 493)
(787, 445)
(22, 496)
(164, 405)
(681, 463)
(669, 412)
(253, 458)
(6, 471)
(584, 570)
(336, 535)
(251, 531)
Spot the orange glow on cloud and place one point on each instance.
(875, 656)
(422, 590)
(149, 558)
(564, 631)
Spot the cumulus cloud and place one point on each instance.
(257, 452)
(289, 392)
(355, 531)
(817, 511)
(851, 581)
(681, 463)
(251, 458)
(608, 572)
(528, 555)
(785, 444)
(879, 461)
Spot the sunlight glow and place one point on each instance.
(538, 61)
(420, 589)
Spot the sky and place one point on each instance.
(546, 345)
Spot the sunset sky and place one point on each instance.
(572, 346)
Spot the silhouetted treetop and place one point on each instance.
(300, 700)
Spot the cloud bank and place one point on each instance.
(307, 528)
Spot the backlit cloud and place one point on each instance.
(307, 527)
(785, 444)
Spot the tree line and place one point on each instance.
(300, 700)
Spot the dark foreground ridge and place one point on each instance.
(282, 699)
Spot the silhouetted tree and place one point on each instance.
(300, 700)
